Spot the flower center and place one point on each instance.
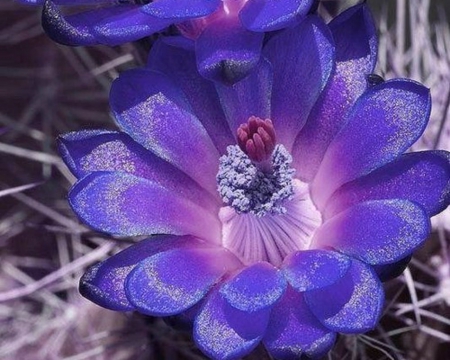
(268, 214)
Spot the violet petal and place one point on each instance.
(171, 282)
(226, 52)
(421, 177)
(313, 269)
(123, 204)
(353, 304)
(294, 331)
(104, 282)
(377, 232)
(255, 288)
(302, 59)
(354, 33)
(385, 121)
(270, 15)
(155, 113)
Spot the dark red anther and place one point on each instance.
(257, 138)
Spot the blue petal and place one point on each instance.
(224, 332)
(255, 288)
(127, 26)
(313, 269)
(90, 150)
(171, 282)
(112, 25)
(377, 232)
(248, 97)
(354, 33)
(104, 283)
(155, 113)
(302, 59)
(180, 66)
(351, 305)
(385, 121)
(76, 30)
(226, 52)
(270, 15)
(179, 10)
(294, 331)
(123, 204)
(421, 177)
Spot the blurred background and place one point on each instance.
(47, 89)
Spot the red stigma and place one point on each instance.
(256, 138)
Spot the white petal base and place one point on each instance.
(271, 237)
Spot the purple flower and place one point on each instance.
(275, 231)
(228, 34)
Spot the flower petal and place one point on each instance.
(123, 204)
(181, 67)
(178, 10)
(313, 269)
(294, 331)
(255, 288)
(90, 150)
(302, 59)
(383, 124)
(111, 25)
(71, 30)
(104, 282)
(226, 52)
(377, 232)
(270, 15)
(130, 26)
(391, 271)
(224, 332)
(351, 305)
(154, 112)
(354, 33)
(171, 282)
(65, 2)
(249, 97)
(421, 177)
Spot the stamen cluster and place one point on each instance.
(248, 189)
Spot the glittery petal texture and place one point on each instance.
(255, 288)
(301, 71)
(110, 25)
(104, 282)
(90, 150)
(178, 10)
(66, 31)
(123, 204)
(384, 123)
(180, 66)
(313, 269)
(155, 113)
(171, 282)
(294, 331)
(226, 51)
(378, 232)
(270, 15)
(421, 177)
(353, 304)
(354, 33)
(125, 27)
(224, 332)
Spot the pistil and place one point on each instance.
(257, 140)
